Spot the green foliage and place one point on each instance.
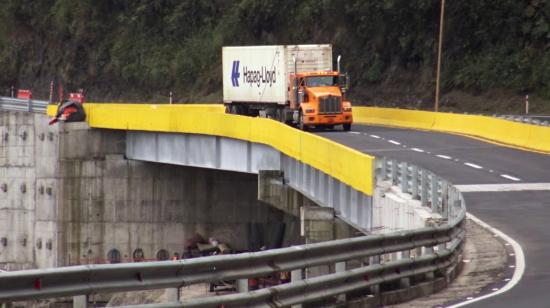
(160, 45)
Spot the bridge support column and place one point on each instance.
(273, 191)
(80, 301)
(317, 225)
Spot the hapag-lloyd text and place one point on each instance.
(259, 77)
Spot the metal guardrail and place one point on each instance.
(432, 191)
(534, 120)
(384, 258)
(15, 104)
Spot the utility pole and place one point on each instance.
(436, 109)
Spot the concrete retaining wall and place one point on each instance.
(71, 197)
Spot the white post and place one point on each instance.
(173, 295)
(296, 275)
(51, 92)
(170, 97)
(527, 104)
(80, 301)
(340, 267)
(242, 285)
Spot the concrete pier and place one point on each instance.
(68, 196)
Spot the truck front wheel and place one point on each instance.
(301, 125)
(347, 126)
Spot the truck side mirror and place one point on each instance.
(343, 81)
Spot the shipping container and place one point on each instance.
(260, 74)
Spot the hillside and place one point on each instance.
(495, 51)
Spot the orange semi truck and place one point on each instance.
(294, 84)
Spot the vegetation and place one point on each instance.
(122, 49)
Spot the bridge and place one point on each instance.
(343, 179)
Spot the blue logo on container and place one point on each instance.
(235, 74)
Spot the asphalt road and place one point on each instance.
(523, 215)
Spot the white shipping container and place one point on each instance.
(260, 74)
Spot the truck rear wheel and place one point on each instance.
(347, 126)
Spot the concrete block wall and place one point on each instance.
(17, 190)
(83, 198)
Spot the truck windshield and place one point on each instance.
(321, 81)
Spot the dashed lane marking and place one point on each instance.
(355, 133)
(375, 137)
(473, 165)
(394, 142)
(509, 177)
(417, 150)
(444, 156)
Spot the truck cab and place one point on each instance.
(318, 99)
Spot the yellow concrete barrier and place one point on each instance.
(394, 117)
(539, 138)
(531, 137)
(216, 108)
(345, 164)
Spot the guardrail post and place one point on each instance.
(80, 301)
(383, 170)
(405, 282)
(173, 294)
(429, 251)
(375, 289)
(414, 180)
(435, 194)
(394, 178)
(424, 188)
(29, 105)
(445, 200)
(404, 178)
(242, 285)
(296, 275)
(338, 268)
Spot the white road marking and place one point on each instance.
(518, 271)
(473, 165)
(503, 187)
(509, 177)
(374, 136)
(394, 142)
(417, 150)
(444, 156)
(355, 133)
